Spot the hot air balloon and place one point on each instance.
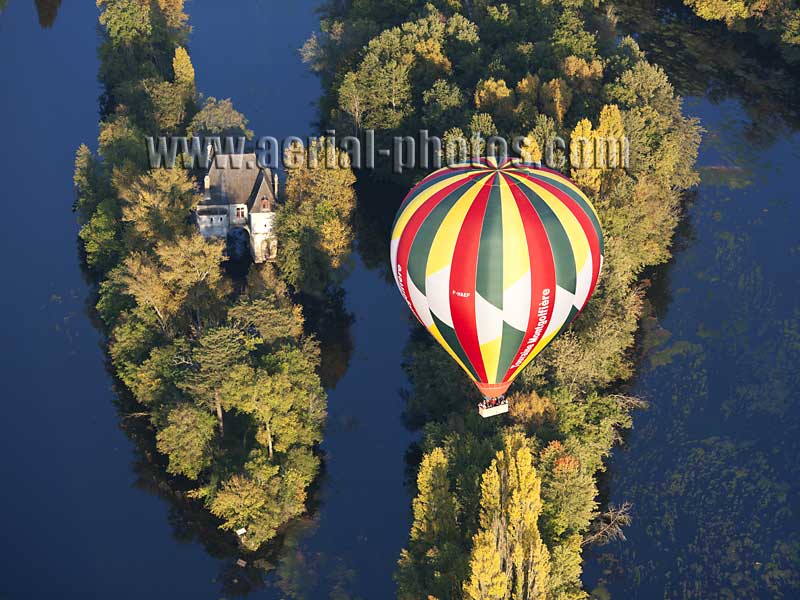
(495, 260)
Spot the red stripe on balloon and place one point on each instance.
(543, 276)
(463, 274)
(410, 232)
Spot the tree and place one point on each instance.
(530, 150)
(100, 236)
(217, 353)
(156, 206)
(582, 157)
(126, 21)
(442, 104)
(352, 99)
(487, 579)
(183, 71)
(219, 118)
(432, 564)
(568, 492)
(582, 74)
(156, 380)
(509, 531)
(259, 500)
(186, 440)
(385, 73)
(85, 181)
(192, 267)
(141, 278)
(287, 406)
(556, 98)
(527, 92)
(172, 11)
(314, 223)
(571, 37)
(272, 319)
(167, 105)
(495, 97)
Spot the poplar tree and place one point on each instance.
(556, 98)
(183, 70)
(509, 531)
(432, 566)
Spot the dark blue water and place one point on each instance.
(711, 467)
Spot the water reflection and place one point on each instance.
(47, 11)
(706, 59)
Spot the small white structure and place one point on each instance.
(492, 411)
(240, 194)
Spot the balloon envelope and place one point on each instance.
(495, 261)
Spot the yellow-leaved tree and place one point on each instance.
(496, 98)
(183, 69)
(431, 566)
(509, 560)
(596, 154)
(556, 98)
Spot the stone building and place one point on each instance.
(239, 194)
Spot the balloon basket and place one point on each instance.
(491, 407)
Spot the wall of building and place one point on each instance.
(262, 222)
(213, 225)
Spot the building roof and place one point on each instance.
(237, 179)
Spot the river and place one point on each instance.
(710, 468)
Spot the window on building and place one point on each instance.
(240, 212)
(265, 203)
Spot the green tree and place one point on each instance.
(167, 105)
(442, 104)
(259, 502)
(186, 440)
(140, 277)
(156, 206)
(219, 118)
(353, 99)
(315, 222)
(217, 353)
(101, 236)
(274, 320)
(192, 268)
(126, 21)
